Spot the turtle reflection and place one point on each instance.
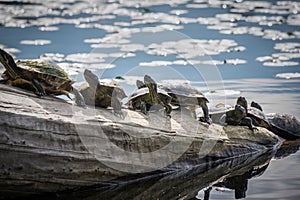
(287, 148)
(238, 183)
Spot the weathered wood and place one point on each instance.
(47, 144)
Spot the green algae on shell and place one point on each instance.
(43, 67)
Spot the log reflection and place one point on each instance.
(175, 183)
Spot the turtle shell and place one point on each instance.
(50, 75)
(257, 113)
(102, 94)
(184, 94)
(142, 94)
(260, 119)
(285, 122)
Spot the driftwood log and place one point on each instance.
(50, 145)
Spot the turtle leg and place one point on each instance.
(18, 82)
(59, 92)
(117, 106)
(248, 122)
(39, 88)
(144, 108)
(168, 109)
(79, 100)
(34, 83)
(163, 106)
(207, 119)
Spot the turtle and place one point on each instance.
(102, 93)
(285, 121)
(260, 119)
(254, 117)
(148, 96)
(239, 115)
(187, 96)
(41, 76)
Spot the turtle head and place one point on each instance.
(91, 78)
(9, 64)
(150, 83)
(140, 84)
(148, 80)
(4, 57)
(152, 86)
(256, 105)
(242, 102)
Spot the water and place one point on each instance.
(176, 41)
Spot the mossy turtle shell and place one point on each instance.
(102, 94)
(49, 74)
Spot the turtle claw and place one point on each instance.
(253, 128)
(38, 93)
(207, 120)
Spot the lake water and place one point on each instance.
(225, 48)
